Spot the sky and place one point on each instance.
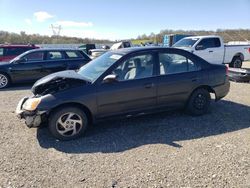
(121, 19)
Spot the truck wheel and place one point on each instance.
(4, 81)
(236, 62)
(68, 123)
(199, 102)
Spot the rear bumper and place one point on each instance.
(222, 90)
(240, 75)
(32, 118)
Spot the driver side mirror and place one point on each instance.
(200, 47)
(110, 78)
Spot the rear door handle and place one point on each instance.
(149, 85)
(210, 51)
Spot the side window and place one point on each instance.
(217, 42)
(210, 43)
(15, 51)
(35, 56)
(1, 51)
(11, 51)
(73, 54)
(175, 63)
(136, 67)
(54, 55)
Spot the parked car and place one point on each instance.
(87, 47)
(126, 82)
(212, 49)
(10, 51)
(96, 53)
(35, 64)
(239, 74)
(122, 44)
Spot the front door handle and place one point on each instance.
(210, 51)
(149, 85)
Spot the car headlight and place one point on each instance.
(31, 104)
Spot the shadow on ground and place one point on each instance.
(164, 128)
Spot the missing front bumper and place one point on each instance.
(32, 118)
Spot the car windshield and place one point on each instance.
(98, 66)
(188, 42)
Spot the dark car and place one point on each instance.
(10, 51)
(125, 82)
(35, 64)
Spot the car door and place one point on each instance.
(211, 50)
(54, 62)
(135, 89)
(178, 75)
(28, 68)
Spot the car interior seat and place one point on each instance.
(135, 71)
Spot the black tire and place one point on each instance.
(61, 120)
(4, 80)
(236, 62)
(199, 102)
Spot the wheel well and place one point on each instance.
(78, 105)
(7, 76)
(240, 55)
(208, 88)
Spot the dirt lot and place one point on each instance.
(162, 150)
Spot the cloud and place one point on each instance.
(28, 21)
(74, 24)
(41, 16)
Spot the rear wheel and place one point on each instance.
(4, 81)
(199, 102)
(236, 62)
(68, 123)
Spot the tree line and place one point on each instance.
(227, 34)
(23, 38)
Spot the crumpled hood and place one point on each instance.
(57, 79)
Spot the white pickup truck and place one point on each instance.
(212, 49)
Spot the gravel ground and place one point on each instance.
(162, 150)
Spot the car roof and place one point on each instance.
(18, 45)
(142, 49)
(54, 49)
(204, 36)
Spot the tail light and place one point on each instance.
(248, 50)
(227, 70)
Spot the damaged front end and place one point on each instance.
(33, 117)
(29, 109)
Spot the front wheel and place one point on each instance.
(68, 123)
(4, 81)
(199, 102)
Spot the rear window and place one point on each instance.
(73, 54)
